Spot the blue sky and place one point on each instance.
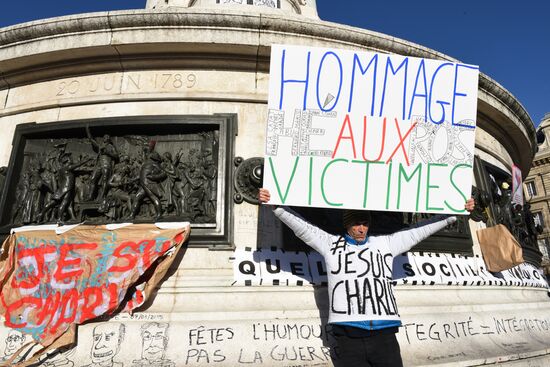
(509, 40)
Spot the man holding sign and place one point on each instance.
(362, 307)
(367, 131)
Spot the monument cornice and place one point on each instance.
(140, 39)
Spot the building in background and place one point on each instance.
(537, 190)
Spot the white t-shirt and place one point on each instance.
(360, 276)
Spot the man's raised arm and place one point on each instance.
(313, 236)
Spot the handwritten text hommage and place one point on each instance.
(367, 130)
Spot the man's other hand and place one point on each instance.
(469, 205)
(264, 196)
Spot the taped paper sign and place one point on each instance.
(265, 267)
(51, 282)
(276, 267)
(373, 131)
(435, 268)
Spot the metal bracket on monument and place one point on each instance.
(482, 199)
(247, 179)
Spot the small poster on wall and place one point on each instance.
(517, 186)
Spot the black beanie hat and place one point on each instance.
(351, 217)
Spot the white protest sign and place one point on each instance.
(246, 267)
(271, 267)
(279, 267)
(435, 268)
(363, 130)
(317, 268)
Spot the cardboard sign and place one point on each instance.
(364, 130)
(50, 282)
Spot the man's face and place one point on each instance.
(105, 344)
(154, 342)
(358, 231)
(14, 341)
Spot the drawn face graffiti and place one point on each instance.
(14, 341)
(106, 343)
(154, 341)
